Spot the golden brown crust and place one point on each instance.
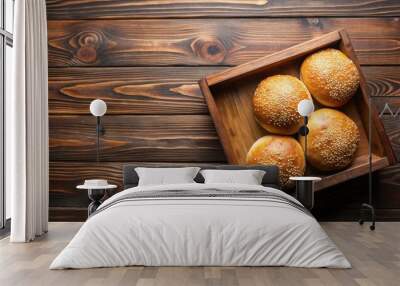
(283, 151)
(332, 141)
(275, 103)
(330, 76)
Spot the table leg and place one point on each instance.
(95, 195)
(305, 193)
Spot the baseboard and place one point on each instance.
(67, 214)
(80, 214)
(354, 215)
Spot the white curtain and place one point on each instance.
(27, 124)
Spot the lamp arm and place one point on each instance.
(305, 144)
(99, 131)
(304, 132)
(99, 126)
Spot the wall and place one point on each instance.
(144, 59)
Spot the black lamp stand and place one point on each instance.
(99, 131)
(368, 206)
(303, 131)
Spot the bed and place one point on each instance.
(198, 224)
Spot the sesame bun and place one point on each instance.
(330, 76)
(282, 151)
(275, 103)
(332, 140)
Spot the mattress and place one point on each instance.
(201, 225)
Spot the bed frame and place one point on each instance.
(271, 177)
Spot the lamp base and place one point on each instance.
(367, 207)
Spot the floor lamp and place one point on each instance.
(369, 206)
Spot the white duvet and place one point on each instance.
(200, 231)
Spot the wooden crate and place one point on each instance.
(229, 97)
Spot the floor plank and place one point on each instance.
(375, 257)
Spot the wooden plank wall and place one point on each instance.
(144, 59)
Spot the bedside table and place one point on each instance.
(305, 190)
(95, 194)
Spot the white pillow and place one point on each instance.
(166, 176)
(247, 177)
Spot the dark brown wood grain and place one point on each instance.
(209, 42)
(392, 128)
(383, 81)
(153, 138)
(159, 90)
(134, 90)
(94, 9)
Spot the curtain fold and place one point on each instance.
(27, 123)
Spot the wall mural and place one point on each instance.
(145, 61)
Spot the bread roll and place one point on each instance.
(332, 140)
(283, 151)
(275, 103)
(330, 76)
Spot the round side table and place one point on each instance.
(305, 190)
(95, 194)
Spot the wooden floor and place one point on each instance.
(375, 257)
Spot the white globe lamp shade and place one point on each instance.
(305, 107)
(98, 107)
